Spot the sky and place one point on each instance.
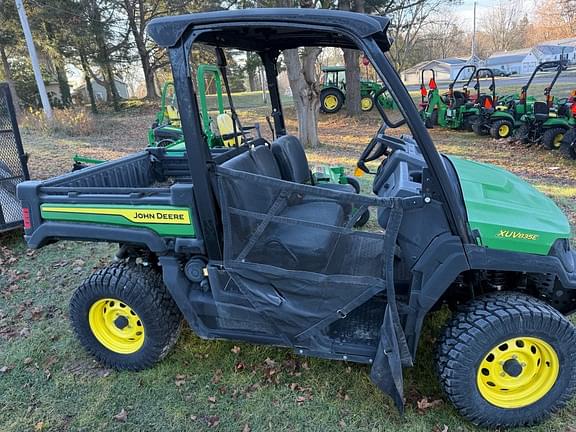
(466, 10)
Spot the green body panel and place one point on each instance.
(508, 213)
(153, 218)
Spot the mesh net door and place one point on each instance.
(292, 249)
(13, 169)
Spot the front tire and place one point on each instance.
(501, 129)
(124, 316)
(552, 138)
(478, 128)
(508, 359)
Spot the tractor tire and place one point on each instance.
(331, 100)
(552, 138)
(124, 316)
(469, 123)
(434, 117)
(478, 128)
(507, 359)
(522, 134)
(501, 129)
(366, 104)
(568, 146)
(366, 215)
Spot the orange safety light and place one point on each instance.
(432, 84)
(423, 91)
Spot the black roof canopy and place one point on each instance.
(275, 28)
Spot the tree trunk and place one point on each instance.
(140, 41)
(8, 78)
(305, 92)
(89, 89)
(65, 95)
(352, 68)
(352, 82)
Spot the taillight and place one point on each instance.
(26, 218)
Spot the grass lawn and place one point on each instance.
(47, 381)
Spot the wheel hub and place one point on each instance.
(116, 326)
(517, 372)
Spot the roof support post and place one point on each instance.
(269, 60)
(197, 151)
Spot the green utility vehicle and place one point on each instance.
(244, 247)
(333, 93)
(453, 109)
(546, 122)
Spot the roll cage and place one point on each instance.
(268, 32)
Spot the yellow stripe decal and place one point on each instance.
(146, 216)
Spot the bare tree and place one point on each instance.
(303, 78)
(502, 26)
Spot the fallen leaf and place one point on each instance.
(193, 418)
(28, 360)
(341, 424)
(212, 399)
(424, 404)
(39, 426)
(235, 349)
(239, 366)
(36, 313)
(217, 376)
(213, 421)
(5, 369)
(180, 380)
(246, 428)
(122, 416)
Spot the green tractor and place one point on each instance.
(333, 93)
(244, 246)
(547, 122)
(507, 116)
(454, 109)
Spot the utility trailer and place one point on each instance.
(13, 162)
(244, 245)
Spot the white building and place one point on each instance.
(445, 69)
(100, 92)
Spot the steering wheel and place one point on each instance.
(375, 149)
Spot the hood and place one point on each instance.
(507, 212)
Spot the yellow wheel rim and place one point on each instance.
(330, 102)
(518, 372)
(366, 104)
(558, 140)
(503, 130)
(116, 326)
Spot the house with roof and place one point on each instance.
(515, 61)
(100, 91)
(446, 69)
(552, 52)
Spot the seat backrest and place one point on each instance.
(291, 159)
(265, 162)
(226, 127)
(173, 115)
(541, 111)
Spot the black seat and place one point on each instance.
(308, 245)
(541, 111)
(293, 164)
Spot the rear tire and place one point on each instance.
(112, 304)
(501, 129)
(568, 147)
(508, 359)
(469, 123)
(478, 128)
(522, 134)
(552, 138)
